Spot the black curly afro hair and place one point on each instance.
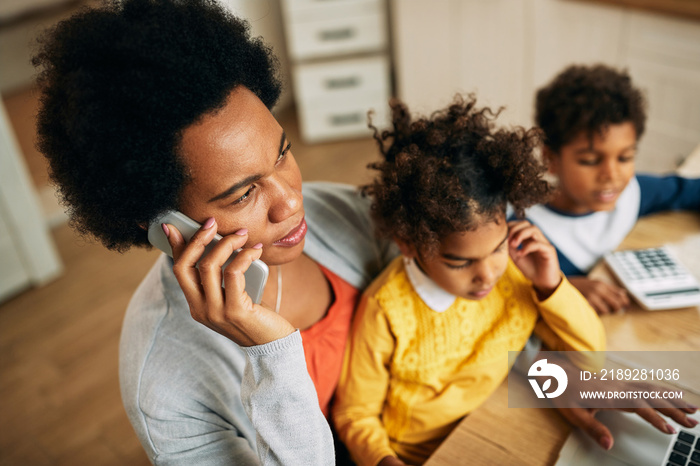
(451, 172)
(119, 84)
(587, 99)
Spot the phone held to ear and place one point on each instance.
(255, 276)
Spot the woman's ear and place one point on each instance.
(407, 249)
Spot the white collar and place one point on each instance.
(430, 292)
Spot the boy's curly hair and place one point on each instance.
(119, 84)
(451, 172)
(587, 99)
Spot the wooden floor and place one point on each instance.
(59, 390)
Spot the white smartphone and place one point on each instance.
(255, 276)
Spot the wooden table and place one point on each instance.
(495, 434)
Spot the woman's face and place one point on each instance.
(243, 174)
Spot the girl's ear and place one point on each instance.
(407, 249)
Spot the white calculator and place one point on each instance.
(655, 278)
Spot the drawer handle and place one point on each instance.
(346, 119)
(337, 34)
(342, 83)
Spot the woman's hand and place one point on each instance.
(228, 311)
(584, 418)
(603, 297)
(535, 257)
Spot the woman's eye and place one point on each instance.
(244, 197)
(284, 152)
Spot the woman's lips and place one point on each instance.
(294, 237)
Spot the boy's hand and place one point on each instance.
(603, 297)
(535, 257)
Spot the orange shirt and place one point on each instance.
(324, 342)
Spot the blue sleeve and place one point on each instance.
(566, 266)
(668, 193)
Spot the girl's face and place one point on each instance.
(243, 174)
(469, 263)
(593, 174)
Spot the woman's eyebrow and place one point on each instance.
(282, 141)
(245, 182)
(241, 184)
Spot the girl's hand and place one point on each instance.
(228, 311)
(535, 257)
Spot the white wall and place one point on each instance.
(504, 50)
(18, 34)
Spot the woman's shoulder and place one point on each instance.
(341, 234)
(322, 198)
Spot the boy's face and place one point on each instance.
(468, 264)
(592, 176)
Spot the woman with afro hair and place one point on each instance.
(156, 105)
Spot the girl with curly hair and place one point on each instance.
(433, 331)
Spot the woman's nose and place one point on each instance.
(286, 202)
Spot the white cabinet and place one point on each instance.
(27, 254)
(337, 95)
(341, 66)
(504, 50)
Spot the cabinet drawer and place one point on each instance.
(322, 123)
(341, 80)
(316, 10)
(336, 36)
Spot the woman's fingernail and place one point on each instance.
(606, 442)
(670, 429)
(209, 223)
(241, 232)
(692, 407)
(692, 421)
(258, 246)
(166, 230)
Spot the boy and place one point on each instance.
(593, 118)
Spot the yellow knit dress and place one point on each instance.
(411, 373)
